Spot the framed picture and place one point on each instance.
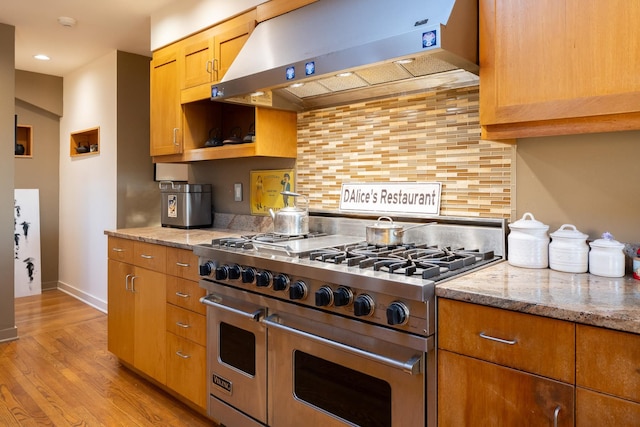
(265, 189)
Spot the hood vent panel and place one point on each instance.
(437, 38)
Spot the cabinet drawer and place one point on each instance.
(597, 409)
(530, 343)
(186, 294)
(182, 263)
(150, 256)
(187, 324)
(187, 369)
(608, 361)
(120, 249)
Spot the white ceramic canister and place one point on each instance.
(528, 243)
(568, 250)
(606, 257)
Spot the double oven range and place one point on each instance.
(327, 330)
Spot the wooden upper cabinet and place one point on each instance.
(165, 112)
(554, 67)
(206, 56)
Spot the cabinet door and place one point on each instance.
(597, 409)
(615, 369)
(166, 132)
(554, 67)
(149, 289)
(472, 392)
(227, 46)
(120, 321)
(197, 60)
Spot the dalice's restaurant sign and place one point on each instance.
(405, 197)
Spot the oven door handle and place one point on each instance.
(412, 366)
(214, 301)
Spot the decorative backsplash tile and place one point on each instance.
(423, 137)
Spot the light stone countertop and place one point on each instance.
(584, 298)
(174, 237)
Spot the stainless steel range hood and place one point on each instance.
(335, 52)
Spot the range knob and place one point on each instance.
(234, 272)
(222, 272)
(298, 290)
(207, 268)
(363, 305)
(324, 297)
(342, 296)
(263, 279)
(248, 275)
(397, 313)
(281, 282)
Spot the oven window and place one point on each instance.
(238, 348)
(356, 397)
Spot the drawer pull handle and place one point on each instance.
(181, 295)
(146, 256)
(556, 414)
(181, 354)
(182, 264)
(117, 249)
(500, 340)
(183, 325)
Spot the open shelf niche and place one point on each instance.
(85, 142)
(24, 137)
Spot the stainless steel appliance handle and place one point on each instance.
(500, 340)
(214, 301)
(412, 366)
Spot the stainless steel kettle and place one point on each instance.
(291, 220)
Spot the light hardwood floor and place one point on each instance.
(59, 373)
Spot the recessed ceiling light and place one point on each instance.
(41, 57)
(66, 21)
(347, 74)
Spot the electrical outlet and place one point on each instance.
(237, 192)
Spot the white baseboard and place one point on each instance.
(89, 299)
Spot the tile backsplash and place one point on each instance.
(424, 137)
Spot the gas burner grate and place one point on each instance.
(428, 262)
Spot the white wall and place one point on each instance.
(88, 183)
(182, 18)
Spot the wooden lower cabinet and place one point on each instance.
(136, 318)
(187, 369)
(598, 409)
(607, 377)
(186, 328)
(473, 392)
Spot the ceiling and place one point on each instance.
(101, 27)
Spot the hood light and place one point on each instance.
(347, 74)
(295, 85)
(41, 57)
(404, 61)
(257, 93)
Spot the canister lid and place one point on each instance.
(569, 231)
(528, 222)
(606, 242)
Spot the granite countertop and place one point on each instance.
(174, 237)
(584, 298)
